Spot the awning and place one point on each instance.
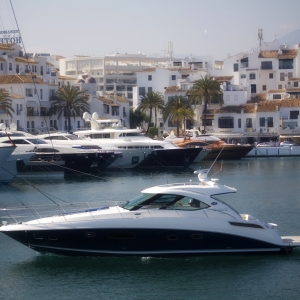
(282, 136)
(45, 104)
(32, 104)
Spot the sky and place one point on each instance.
(102, 27)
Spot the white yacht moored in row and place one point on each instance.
(46, 157)
(148, 152)
(166, 220)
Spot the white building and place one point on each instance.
(29, 81)
(115, 71)
(32, 80)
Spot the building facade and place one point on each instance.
(111, 72)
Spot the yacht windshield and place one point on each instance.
(163, 201)
(225, 203)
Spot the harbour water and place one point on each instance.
(268, 188)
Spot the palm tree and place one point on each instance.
(178, 109)
(149, 101)
(186, 113)
(71, 101)
(206, 89)
(137, 118)
(6, 103)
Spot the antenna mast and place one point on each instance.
(260, 36)
(170, 50)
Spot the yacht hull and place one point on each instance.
(140, 242)
(180, 157)
(67, 162)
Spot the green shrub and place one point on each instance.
(152, 132)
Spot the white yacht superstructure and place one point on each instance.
(149, 152)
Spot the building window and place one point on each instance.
(41, 94)
(173, 77)
(239, 123)
(115, 111)
(264, 87)
(252, 75)
(270, 122)
(294, 114)
(266, 65)
(262, 122)
(225, 122)
(17, 69)
(243, 75)
(290, 74)
(296, 84)
(10, 66)
(149, 77)
(18, 109)
(244, 62)
(149, 89)
(29, 93)
(1, 66)
(281, 76)
(52, 92)
(276, 96)
(42, 72)
(248, 123)
(270, 75)
(280, 86)
(105, 109)
(235, 67)
(286, 64)
(142, 91)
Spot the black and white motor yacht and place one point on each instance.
(166, 220)
(143, 152)
(44, 157)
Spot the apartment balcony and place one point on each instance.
(111, 81)
(236, 88)
(45, 114)
(244, 65)
(250, 130)
(266, 68)
(127, 82)
(32, 113)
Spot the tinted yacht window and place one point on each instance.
(164, 201)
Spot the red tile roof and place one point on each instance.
(286, 54)
(11, 79)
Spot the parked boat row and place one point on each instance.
(102, 147)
